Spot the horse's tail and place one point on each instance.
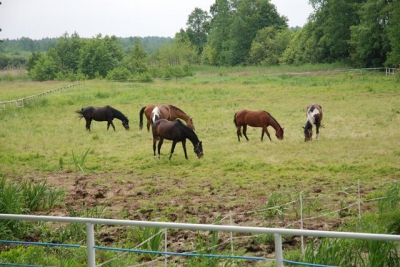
(80, 112)
(141, 118)
(234, 119)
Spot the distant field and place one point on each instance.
(358, 143)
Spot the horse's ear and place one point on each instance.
(303, 127)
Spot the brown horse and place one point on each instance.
(168, 112)
(314, 116)
(256, 119)
(177, 132)
(105, 113)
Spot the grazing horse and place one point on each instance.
(168, 112)
(314, 116)
(105, 113)
(177, 132)
(256, 119)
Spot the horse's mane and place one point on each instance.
(273, 119)
(117, 113)
(187, 130)
(176, 108)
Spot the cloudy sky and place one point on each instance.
(38, 19)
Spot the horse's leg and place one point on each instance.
(88, 124)
(239, 134)
(172, 148)
(154, 146)
(110, 123)
(265, 129)
(317, 130)
(148, 125)
(159, 146)
(245, 131)
(184, 148)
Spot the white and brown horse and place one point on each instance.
(314, 116)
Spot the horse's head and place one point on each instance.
(198, 149)
(125, 123)
(190, 124)
(279, 134)
(307, 134)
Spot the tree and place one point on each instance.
(393, 57)
(198, 26)
(68, 51)
(137, 58)
(100, 55)
(44, 69)
(250, 17)
(218, 38)
(269, 45)
(369, 40)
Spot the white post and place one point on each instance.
(301, 222)
(165, 246)
(91, 256)
(231, 221)
(278, 250)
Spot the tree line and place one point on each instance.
(361, 33)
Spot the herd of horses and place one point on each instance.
(165, 124)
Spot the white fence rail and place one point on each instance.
(277, 232)
(18, 103)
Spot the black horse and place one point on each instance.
(177, 132)
(106, 113)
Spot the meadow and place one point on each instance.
(358, 143)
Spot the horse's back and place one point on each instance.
(171, 130)
(251, 117)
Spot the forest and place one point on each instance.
(359, 33)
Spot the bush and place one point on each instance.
(118, 74)
(144, 77)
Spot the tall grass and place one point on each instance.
(363, 253)
(23, 198)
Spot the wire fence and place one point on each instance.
(225, 239)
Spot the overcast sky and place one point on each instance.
(37, 19)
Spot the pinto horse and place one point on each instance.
(105, 113)
(177, 132)
(256, 119)
(168, 112)
(314, 116)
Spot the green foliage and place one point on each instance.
(369, 41)
(348, 252)
(44, 69)
(24, 198)
(198, 26)
(137, 59)
(118, 74)
(269, 45)
(149, 238)
(100, 55)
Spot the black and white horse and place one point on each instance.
(314, 116)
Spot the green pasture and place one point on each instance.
(358, 141)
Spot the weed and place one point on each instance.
(79, 163)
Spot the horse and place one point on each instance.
(314, 116)
(177, 132)
(259, 118)
(105, 113)
(168, 112)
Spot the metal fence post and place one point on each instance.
(278, 250)
(91, 256)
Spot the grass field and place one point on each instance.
(44, 141)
